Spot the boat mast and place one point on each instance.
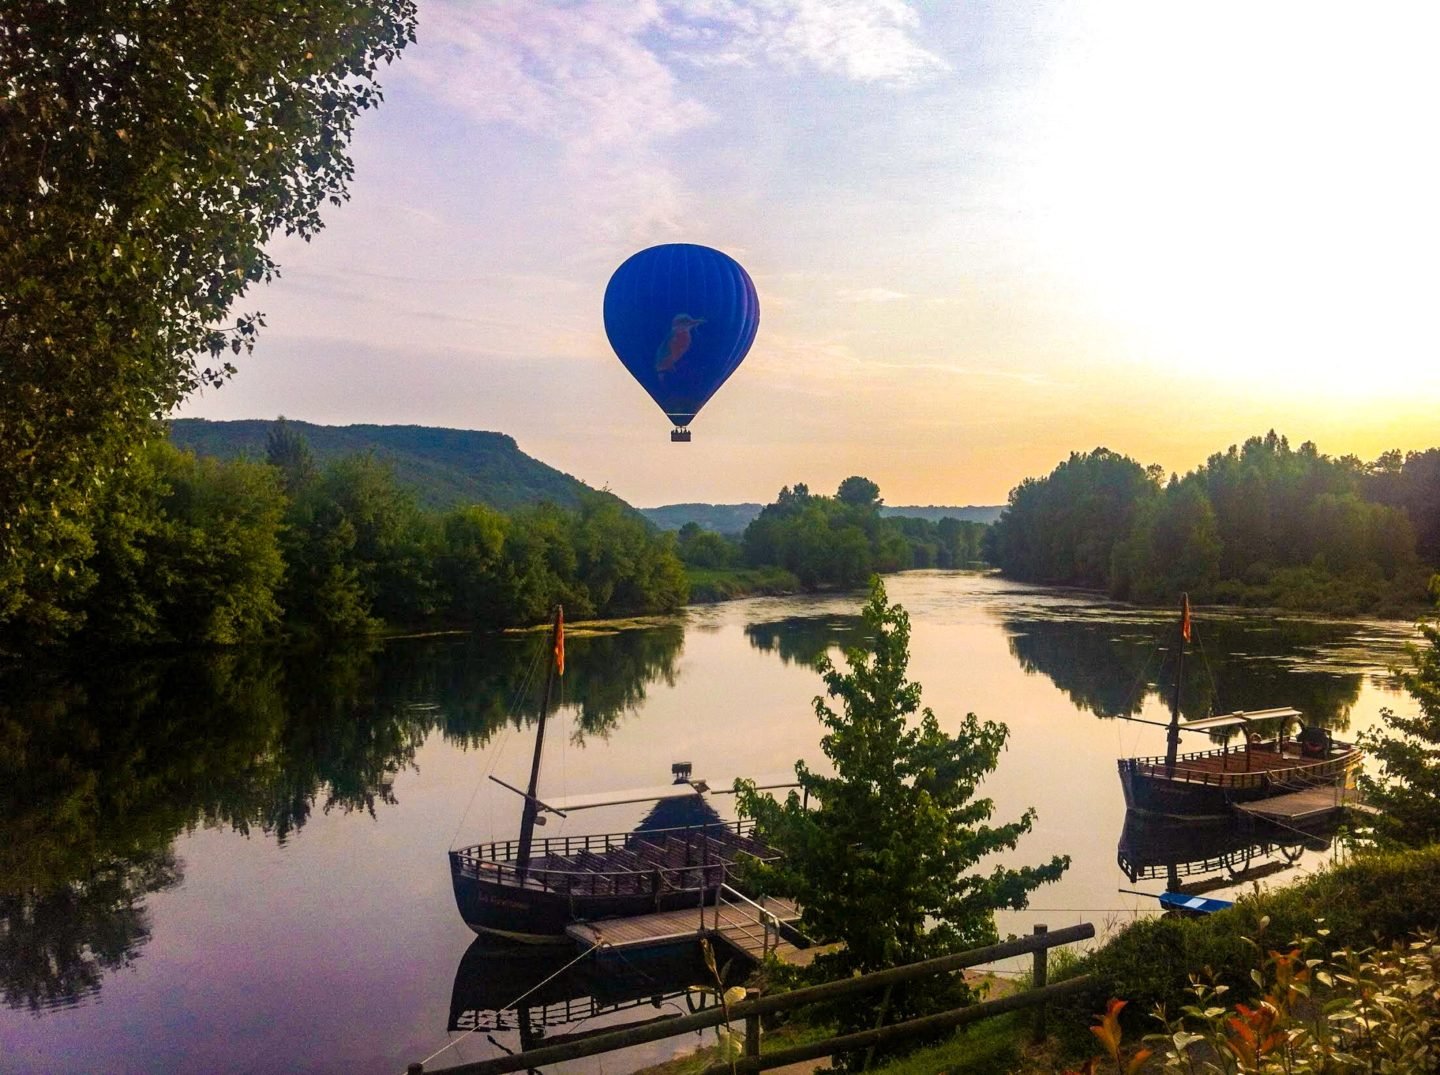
(1172, 740)
(532, 806)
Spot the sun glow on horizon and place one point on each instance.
(1251, 195)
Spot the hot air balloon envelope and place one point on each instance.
(681, 318)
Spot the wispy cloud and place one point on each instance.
(869, 41)
(580, 77)
(579, 74)
(602, 80)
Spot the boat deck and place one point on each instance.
(1303, 805)
(737, 925)
(1239, 761)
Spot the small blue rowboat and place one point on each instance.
(1184, 903)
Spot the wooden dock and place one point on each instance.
(736, 924)
(1305, 805)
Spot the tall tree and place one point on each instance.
(1407, 787)
(859, 492)
(150, 152)
(886, 859)
(289, 453)
(1064, 528)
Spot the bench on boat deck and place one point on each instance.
(651, 855)
(626, 859)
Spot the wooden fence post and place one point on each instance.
(752, 1027)
(1041, 979)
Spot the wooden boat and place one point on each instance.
(1185, 904)
(1208, 783)
(531, 890)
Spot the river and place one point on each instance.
(235, 862)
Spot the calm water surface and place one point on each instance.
(236, 862)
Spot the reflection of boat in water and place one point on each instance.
(535, 989)
(1198, 857)
(1210, 783)
(532, 890)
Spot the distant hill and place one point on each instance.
(734, 518)
(970, 513)
(443, 467)
(721, 518)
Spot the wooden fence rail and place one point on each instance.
(749, 1011)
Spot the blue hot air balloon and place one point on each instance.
(681, 318)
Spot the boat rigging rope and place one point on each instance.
(1122, 747)
(511, 718)
(514, 1003)
(1209, 674)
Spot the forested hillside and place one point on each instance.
(444, 468)
(728, 519)
(1260, 524)
(194, 550)
(933, 513)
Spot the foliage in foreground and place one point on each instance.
(150, 151)
(885, 862)
(1375, 899)
(1345, 1011)
(1407, 787)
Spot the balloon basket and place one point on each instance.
(680, 435)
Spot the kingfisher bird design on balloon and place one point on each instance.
(676, 343)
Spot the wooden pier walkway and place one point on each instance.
(1305, 805)
(737, 924)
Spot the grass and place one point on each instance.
(983, 1048)
(788, 1036)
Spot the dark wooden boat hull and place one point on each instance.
(537, 916)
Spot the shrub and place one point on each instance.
(1376, 898)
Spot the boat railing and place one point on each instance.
(502, 851)
(610, 880)
(573, 1010)
(1302, 770)
(765, 919)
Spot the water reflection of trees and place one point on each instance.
(804, 640)
(57, 944)
(102, 766)
(1110, 668)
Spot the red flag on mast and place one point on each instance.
(560, 642)
(1185, 616)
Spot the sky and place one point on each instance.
(984, 235)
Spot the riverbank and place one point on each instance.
(1371, 901)
(711, 585)
(714, 585)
